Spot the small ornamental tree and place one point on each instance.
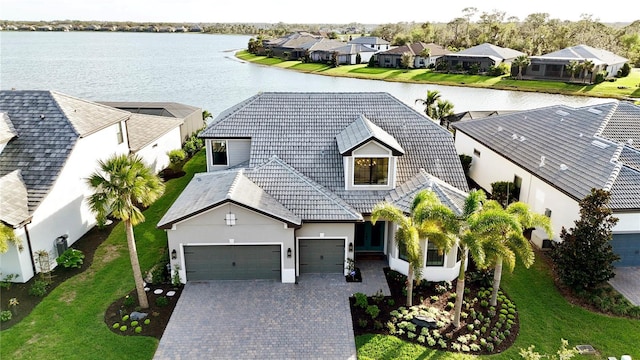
(584, 259)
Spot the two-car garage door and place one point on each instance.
(232, 262)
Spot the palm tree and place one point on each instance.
(206, 115)
(521, 62)
(432, 97)
(573, 67)
(411, 231)
(587, 67)
(502, 231)
(468, 243)
(122, 184)
(443, 109)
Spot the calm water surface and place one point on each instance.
(199, 70)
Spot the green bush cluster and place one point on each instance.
(71, 258)
(39, 288)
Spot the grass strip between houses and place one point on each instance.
(623, 88)
(69, 322)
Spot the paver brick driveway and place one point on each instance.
(262, 319)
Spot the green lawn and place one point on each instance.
(623, 88)
(545, 318)
(69, 322)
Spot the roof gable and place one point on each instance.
(361, 131)
(14, 209)
(88, 117)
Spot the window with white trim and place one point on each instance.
(219, 152)
(371, 171)
(435, 257)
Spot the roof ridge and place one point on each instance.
(612, 177)
(321, 189)
(440, 182)
(606, 120)
(234, 184)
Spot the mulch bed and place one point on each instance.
(422, 295)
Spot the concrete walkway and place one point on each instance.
(627, 282)
(268, 320)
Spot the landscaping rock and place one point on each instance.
(137, 316)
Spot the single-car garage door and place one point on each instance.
(627, 246)
(321, 255)
(232, 262)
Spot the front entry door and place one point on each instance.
(370, 237)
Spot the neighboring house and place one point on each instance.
(49, 144)
(393, 57)
(323, 51)
(291, 182)
(556, 155)
(471, 115)
(484, 55)
(293, 46)
(553, 66)
(191, 116)
(372, 42)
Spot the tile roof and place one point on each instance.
(361, 131)
(7, 131)
(624, 125)
(301, 129)
(582, 52)
(416, 49)
(567, 147)
(403, 195)
(209, 190)
(14, 209)
(303, 196)
(144, 129)
(350, 49)
(161, 108)
(490, 50)
(85, 116)
(45, 139)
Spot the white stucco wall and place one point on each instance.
(64, 210)
(330, 231)
(209, 228)
(17, 262)
(155, 153)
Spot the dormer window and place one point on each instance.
(219, 152)
(371, 171)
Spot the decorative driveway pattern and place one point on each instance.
(267, 319)
(627, 282)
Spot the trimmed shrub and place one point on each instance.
(162, 301)
(39, 288)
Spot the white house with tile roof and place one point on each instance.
(51, 143)
(556, 155)
(292, 179)
(484, 56)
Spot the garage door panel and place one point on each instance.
(321, 255)
(627, 246)
(232, 262)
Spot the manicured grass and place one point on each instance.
(69, 322)
(545, 318)
(628, 87)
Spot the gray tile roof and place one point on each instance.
(417, 48)
(351, 49)
(301, 129)
(303, 196)
(7, 131)
(403, 195)
(630, 157)
(209, 190)
(360, 131)
(14, 209)
(561, 146)
(45, 140)
(491, 50)
(326, 45)
(624, 125)
(625, 192)
(144, 129)
(88, 117)
(582, 52)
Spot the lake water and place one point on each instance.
(200, 70)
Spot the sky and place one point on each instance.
(303, 11)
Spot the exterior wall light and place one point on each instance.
(350, 247)
(289, 252)
(174, 254)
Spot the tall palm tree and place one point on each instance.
(122, 184)
(521, 62)
(504, 242)
(443, 109)
(411, 231)
(429, 102)
(587, 67)
(468, 242)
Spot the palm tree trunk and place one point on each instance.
(410, 287)
(135, 265)
(497, 276)
(459, 291)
